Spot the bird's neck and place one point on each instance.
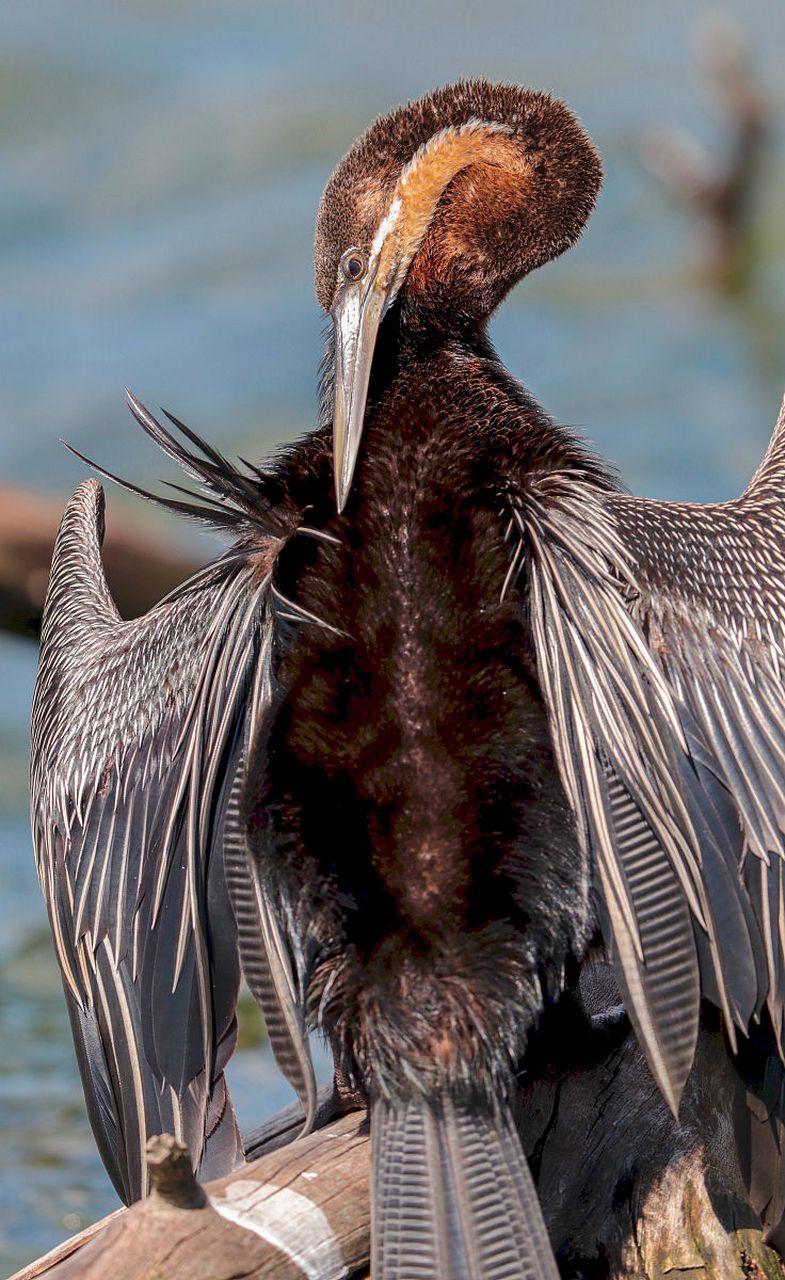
(414, 333)
(408, 355)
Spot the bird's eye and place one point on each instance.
(354, 264)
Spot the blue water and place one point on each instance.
(161, 163)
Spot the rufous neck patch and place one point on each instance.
(421, 184)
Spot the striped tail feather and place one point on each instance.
(452, 1197)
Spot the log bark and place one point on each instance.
(301, 1210)
(628, 1192)
(139, 570)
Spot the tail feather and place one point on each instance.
(452, 1197)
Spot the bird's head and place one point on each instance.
(439, 209)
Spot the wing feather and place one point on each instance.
(136, 726)
(612, 715)
(660, 637)
(140, 732)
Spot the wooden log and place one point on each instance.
(275, 1133)
(628, 1192)
(302, 1210)
(139, 570)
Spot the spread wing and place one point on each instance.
(139, 735)
(660, 636)
(659, 630)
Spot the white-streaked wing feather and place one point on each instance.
(138, 732)
(618, 737)
(660, 636)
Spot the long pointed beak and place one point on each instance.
(356, 316)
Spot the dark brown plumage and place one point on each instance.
(407, 793)
(451, 710)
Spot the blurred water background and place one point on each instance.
(160, 166)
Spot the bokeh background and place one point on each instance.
(160, 166)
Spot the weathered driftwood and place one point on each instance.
(627, 1192)
(302, 1210)
(139, 570)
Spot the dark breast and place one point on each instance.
(410, 804)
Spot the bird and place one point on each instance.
(451, 712)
